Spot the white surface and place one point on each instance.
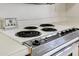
(72, 12)
(10, 47)
(65, 52)
(30, 11)
(33, 14)
(27, 11)
(68, 50)
(11, 33)
(62, 46)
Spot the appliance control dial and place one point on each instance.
(36, 42)
(10, 23)
(67, 31)
(62, 33)
(73, 29)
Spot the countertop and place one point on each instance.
(10, 47)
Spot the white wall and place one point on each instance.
(33, 14)
(72, 11)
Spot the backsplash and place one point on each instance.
(72, 11)
(27, 11)
(33, 14)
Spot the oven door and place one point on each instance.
(71, 50)
(64, 52)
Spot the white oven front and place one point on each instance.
(71, 50)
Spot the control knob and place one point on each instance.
(67, 31)
(62, 33)
(36, 42)
(73, 29)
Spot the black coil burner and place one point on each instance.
(46, 25)
(28, 34)
(31, 27)
(48, 29)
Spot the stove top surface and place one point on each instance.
(11, 33)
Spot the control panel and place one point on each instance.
(40, 41)
(67, 31)
(9, 23)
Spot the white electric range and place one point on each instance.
(40, 38)
(10, 27)
(12, 34)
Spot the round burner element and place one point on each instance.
(49, 29)
(31, 27)
(28, 34)
(46, 25)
